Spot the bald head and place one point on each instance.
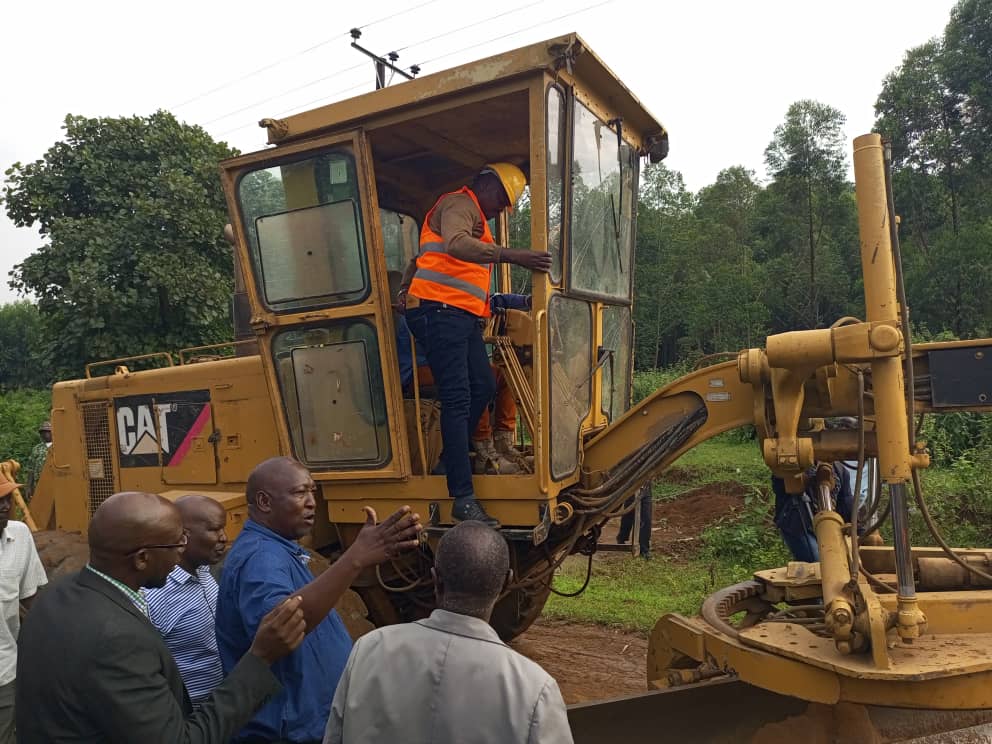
(204, 520)
(472, 563)
(281, 495)
(128, 520)
(269, 475)
(136, 538)
(195, 507)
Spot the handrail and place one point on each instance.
(134, 358)
(182, 352)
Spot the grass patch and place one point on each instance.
(727, 457)
(634, 593)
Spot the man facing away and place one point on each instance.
(449, 678)
(267, 564)
(184, 610)
(446, 295)
(92, 669)
(21, 575)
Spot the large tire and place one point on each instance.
(518, 610)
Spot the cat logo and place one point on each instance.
(167, 423)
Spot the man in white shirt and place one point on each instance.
(21, 574)
(450, 678)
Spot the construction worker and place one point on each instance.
(445, 294)
(36, 460)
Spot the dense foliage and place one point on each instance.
(133, 260)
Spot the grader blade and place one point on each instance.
(730, 711)
(720, 711)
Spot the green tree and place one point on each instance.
(968, 65)
(918, 113)
(666, 232)
(806, 158)
(21, 412)
(729, 203)
(131, 210)
(22, 358)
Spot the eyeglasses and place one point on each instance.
(181, 544)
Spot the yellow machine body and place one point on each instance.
(325, 219)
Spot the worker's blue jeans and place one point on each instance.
(452, 340)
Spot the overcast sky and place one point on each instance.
(720, 75)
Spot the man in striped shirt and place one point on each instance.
(185, 609)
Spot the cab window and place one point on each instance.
(304, 226)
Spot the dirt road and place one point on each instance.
(590, 662)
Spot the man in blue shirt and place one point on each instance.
(184, 609)
(265, 565)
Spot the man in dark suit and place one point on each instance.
(92, 668)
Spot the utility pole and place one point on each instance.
(382, 63)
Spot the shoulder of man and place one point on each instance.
(19, 530)
(456, 201)
(528, 668)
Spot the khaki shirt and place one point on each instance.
(442, 680)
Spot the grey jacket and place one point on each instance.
(445, 679)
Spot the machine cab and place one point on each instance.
(330, 217)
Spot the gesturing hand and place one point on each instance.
(379, 542)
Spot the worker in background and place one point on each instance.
(36, 460)
(184, 609)
(644, 528)
(445, 294)
(794, 512)
(265, 565)
(21, 575)
(92, 669)
(449, 678)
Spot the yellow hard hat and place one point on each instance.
(511, 177)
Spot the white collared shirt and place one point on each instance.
(450, 679)
(21, 574)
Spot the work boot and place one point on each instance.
(468, 509)
(489, 461)
(506, 447)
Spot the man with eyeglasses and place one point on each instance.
(185, 609)
(92, 669)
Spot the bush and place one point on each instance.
(951, 435)
(748, 540)
(648, 380)
(21, 412)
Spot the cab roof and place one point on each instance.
(566, 55)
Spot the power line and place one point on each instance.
(295, 55)
(516, 33)
(471, 25)
(327, 98)
(284, 93)
(300, 107)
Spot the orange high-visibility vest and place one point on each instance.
(443, 278)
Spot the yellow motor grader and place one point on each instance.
(322, 221)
